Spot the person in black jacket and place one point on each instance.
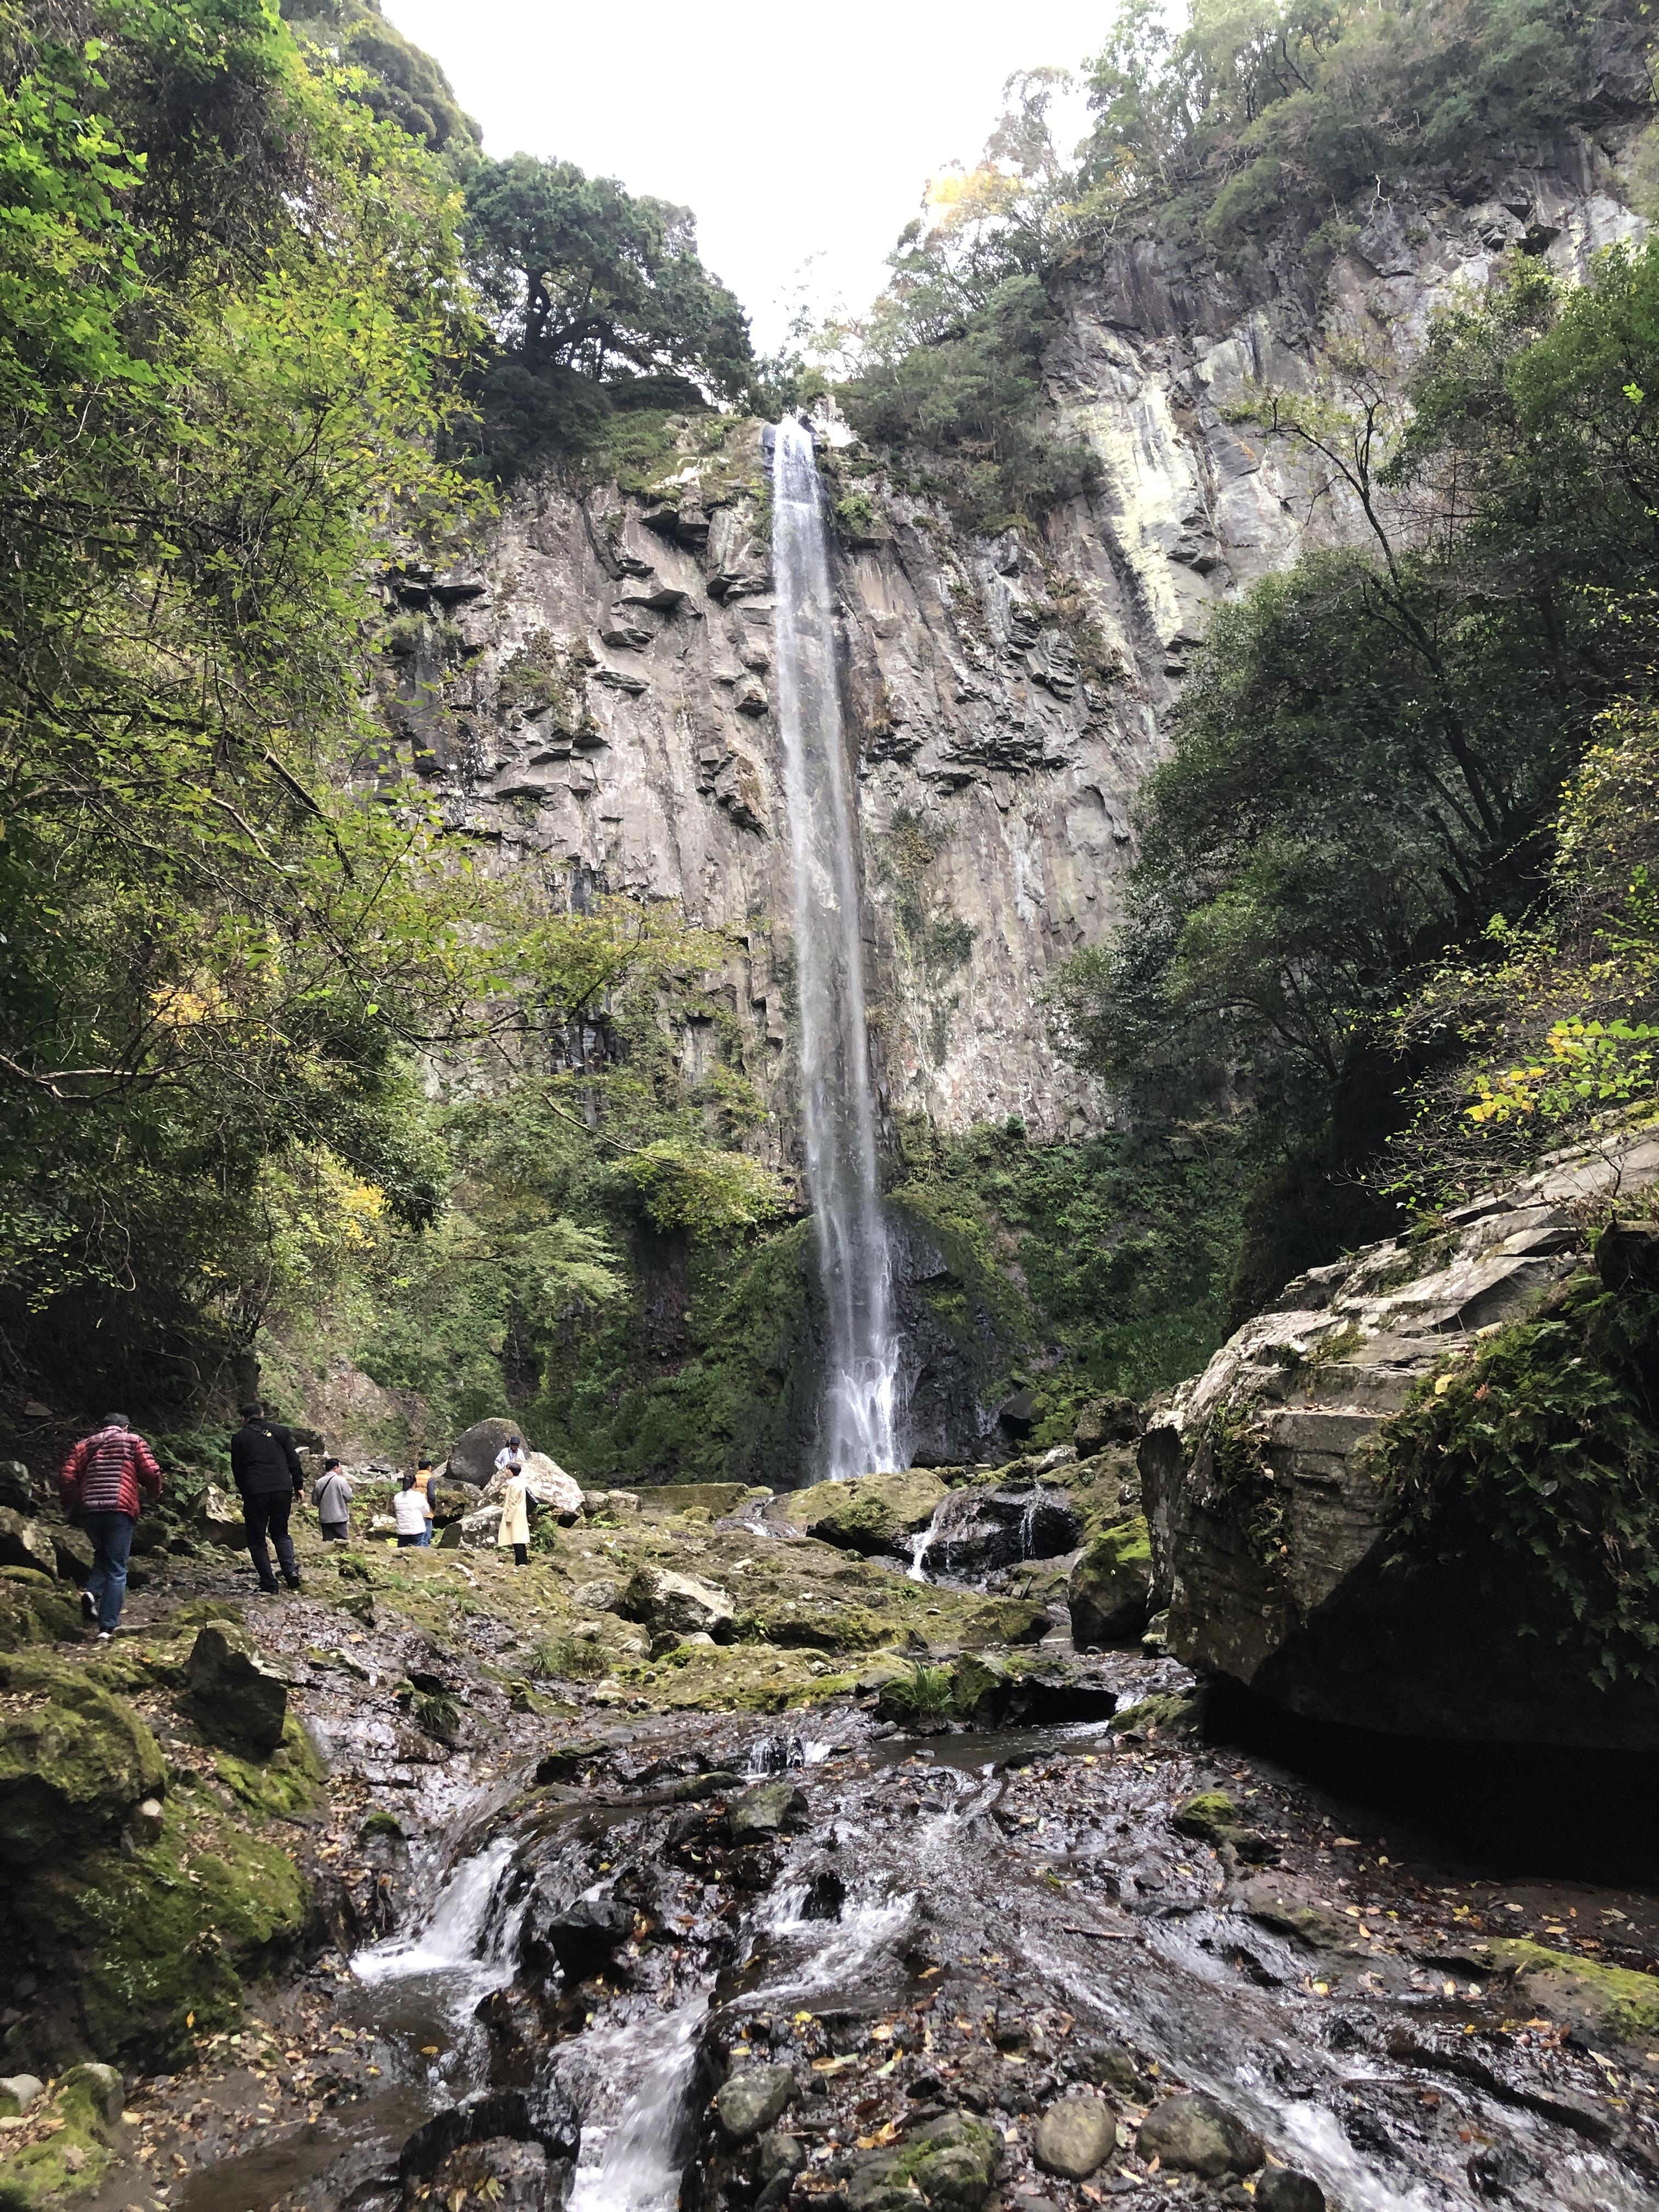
(267, 1471)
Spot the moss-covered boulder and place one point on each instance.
(876, 1513)
(66, 2152)
(1109, 1594)
(35, 1609)
(151, 1947)
(73, 1760)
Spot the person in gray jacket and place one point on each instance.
(332, 1496)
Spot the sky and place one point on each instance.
(802, 138)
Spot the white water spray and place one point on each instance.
(861, 1415)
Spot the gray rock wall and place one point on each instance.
(599, 690)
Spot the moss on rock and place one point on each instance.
(64, 2153)
(1110, 1593)
(74, 1759)
(1612, 2000)
(156, 1944)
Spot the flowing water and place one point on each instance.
(859, 1419)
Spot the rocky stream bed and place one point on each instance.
(870, 1893)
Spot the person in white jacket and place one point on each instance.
(413, 1511)
(515, 1517)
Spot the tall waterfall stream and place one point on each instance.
(861, 1415)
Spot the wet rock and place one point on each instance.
(498, 2176)
(757, 1816)
(754, 2099)
(1613, 2002)
(148, 1821)
(1290, 1906)
(692, 1788)
(545, 2117)
(240, 1700)
(951, 2162)
(473, 1454)
(570, 1760)
(74, 1761)
(1110, 1593)
(979, 1530)
(1194, 2135)
(677, 1605)
(1282, 2189)
(1207, 1816)
(1172, 1712)
(35, 1609)
(1075, 2137)
(25, 1543)
(581, 1938)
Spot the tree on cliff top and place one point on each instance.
(596, 299)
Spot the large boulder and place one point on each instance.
(35, 1609)
(74, 1761)
(26, 1543)
(546, 1482)
(473, 1454)
(1269, 1529)
(1110, 1593)
(475, 1530)
(677, 1605)
(240, 1701)
(219, 1518)
(981, 1527)
(874, 1513)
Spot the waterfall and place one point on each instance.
(859, 1419)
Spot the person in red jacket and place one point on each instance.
(104, 1484)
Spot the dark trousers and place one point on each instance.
(267, 1510)
(521, 1555)
(335, 1532)
(111, 1542)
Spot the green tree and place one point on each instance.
(597, 298)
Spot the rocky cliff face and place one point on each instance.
(598, 689)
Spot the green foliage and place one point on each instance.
(925, 1693)
(1369, 767)
(1255, 120)
(598, 300)
(400, 83)
(227, 321)
(1540, 1450)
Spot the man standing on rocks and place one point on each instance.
(268, 1473)
(332, 1496)
(104, 1483)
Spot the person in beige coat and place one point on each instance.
(516, 1518)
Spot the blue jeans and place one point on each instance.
(425, 1537)
(111, 1543)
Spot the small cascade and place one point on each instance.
(974, 1532)
(860, 1419)
(636, 2128)
(466, 1942)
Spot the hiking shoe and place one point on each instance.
(293, 1581)
(107, 1636)
(88, 1606)
(269, 1590)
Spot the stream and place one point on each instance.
(962, 1920)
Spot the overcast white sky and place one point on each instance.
(792, 132)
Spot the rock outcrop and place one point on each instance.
(1267, 1517)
